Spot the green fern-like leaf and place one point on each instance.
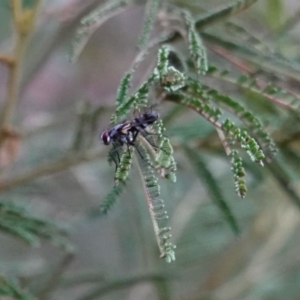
(247, 142)
(15, 220)
(251, 121)
(163, 60)
(110, 199)
(156, 206)
(196, 48)
(205, 108)
(163, 157)
(238, 173)
(123, 88)
(137, 100)
(269, 91)
(151, 12)
(171, 171)
(124, 166)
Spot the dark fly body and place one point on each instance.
(126, 133)
(144, 120)
(119, 133)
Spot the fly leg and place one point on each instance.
(113, 159)
(114, 154)
(151, 144)
(132, 143)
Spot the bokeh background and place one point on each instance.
(116, 256)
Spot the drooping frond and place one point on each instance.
(124, 166)
(170, 173)
(121, 176)
(245, 140)
(205, 108)
(156, 206)
(110, 199)
(238, 173)
(246, 116)
(171, 79)
(162, 60)
(164, 160)
(163, 157)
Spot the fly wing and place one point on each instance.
(144, 120)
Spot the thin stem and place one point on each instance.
(128, 281)
(224, 141)
(242, 66)
(23, 24)
(12, 83)
(16, 9)
(6, 59)
(55, 278)
(146, 143)
(204, 115)
(50, 168)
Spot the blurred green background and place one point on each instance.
(117, 254)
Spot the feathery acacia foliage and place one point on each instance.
(156, 207)
(182, 79)
(16, 221)
(151, 12)
(238, 173)
(196, 48)
(122, 171)
(162, 153)
(243, 96)
(111, 198)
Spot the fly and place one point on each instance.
(126, 133)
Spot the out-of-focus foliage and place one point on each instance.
(220, 166)
(9, 288)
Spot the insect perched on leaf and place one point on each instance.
(125, 133)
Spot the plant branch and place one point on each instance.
(23, 22)
(224, 141)
(121, 283)
(174, 98)
(54, 280)
(242, 66)
(50, 168)
(6, 59)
